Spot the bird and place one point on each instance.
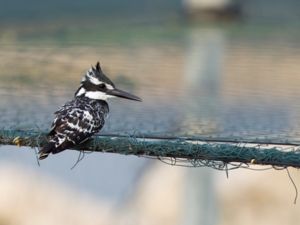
(82, 117)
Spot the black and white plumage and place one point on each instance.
(79, 119)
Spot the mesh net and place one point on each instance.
(241, 107)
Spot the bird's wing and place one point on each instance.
(74, 125)
(60, 116)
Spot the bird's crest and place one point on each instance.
(98, 68)
(95, 76)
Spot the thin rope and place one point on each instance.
(294, 185)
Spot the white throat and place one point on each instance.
(98, 95)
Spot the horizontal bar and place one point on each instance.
(192, 150)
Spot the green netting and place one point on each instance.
(242, 107)
(180, 151)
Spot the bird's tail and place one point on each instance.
(46, 150)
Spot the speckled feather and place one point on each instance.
(75, 122)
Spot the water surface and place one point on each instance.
(237, 81)
(225, 82)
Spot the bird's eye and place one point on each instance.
(102, 86)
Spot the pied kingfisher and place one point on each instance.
(79, 119)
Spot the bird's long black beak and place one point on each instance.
(123, 94)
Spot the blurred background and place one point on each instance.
(218, 68)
